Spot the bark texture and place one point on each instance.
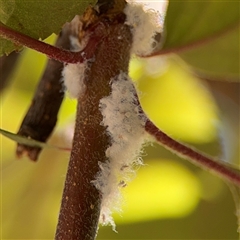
(41, 116)
(81, 201)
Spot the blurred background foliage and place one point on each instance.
(169, 198)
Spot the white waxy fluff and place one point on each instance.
(73, 74)
(125, 125)
(145, 25)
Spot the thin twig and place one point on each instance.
(51, 51)
(192, 155)
(160, 50)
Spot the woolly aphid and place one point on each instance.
(125, 125)
(123, 118)
(145, 25)
(73, 74)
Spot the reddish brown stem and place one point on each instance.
(81, 201)
(191, 45)
(197, 158)
(51, 51)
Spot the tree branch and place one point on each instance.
(81, 201)
(41, 116)
(193, 156)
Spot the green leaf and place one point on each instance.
(28, 141)
(206, 35)
(38, 19)
(23, 140)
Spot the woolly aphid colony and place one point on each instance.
(121, 114)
